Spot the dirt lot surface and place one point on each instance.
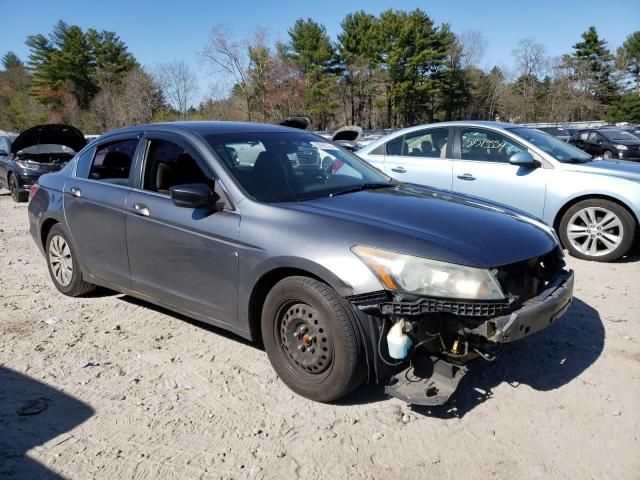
(133, 391)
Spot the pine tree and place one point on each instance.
(593, 51)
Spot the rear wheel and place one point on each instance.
(311, 340)
(14, 189)
(63, 264)
(597, 229)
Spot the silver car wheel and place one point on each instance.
(595, 231)
(60, 260)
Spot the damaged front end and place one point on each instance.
(439, 336)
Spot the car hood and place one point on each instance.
(350, 133)
(439, 225)
(612, 168)
(55, 134)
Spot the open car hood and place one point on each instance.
(350, 133)
(296, 122)
(54, 134)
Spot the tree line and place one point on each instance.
(392, 70)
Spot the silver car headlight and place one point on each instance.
(422, 276)
(621, 147)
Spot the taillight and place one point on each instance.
(33, 189)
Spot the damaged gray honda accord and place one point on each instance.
(277, 235)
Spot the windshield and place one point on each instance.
(561, 151)
(291, 166)
(618, 135)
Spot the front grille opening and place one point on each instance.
(524, 280)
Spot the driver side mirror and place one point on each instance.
(196, 195)
(524, 159)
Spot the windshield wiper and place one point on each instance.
(361, 187)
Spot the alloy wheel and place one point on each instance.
(595, 231)
(60, 260)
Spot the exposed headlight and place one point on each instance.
(421, 276)
(621, 147)
(27, 165)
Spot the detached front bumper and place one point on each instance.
(536, 313)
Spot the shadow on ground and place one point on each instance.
(211, 328)
(545, 361)
(31, 414)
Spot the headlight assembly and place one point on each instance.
(27, 165)
(422, 276)
(621, 147)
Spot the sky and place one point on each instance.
(160, 31)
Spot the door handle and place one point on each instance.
(141, 209)
(75, 191)
(399, 170)
(467, 177)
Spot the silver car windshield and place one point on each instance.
(283, 166)
(561, 151)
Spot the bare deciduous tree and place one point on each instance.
(179, 85)
(226, 55)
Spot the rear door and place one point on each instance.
(422, 156)
(94, 205)
(482, 169)
(182, 257)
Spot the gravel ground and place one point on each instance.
(133, 391)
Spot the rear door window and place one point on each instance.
(430, 143)
(112, 162)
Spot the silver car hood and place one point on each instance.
(611, 168)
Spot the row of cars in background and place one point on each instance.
(607, 141)
(593, 205)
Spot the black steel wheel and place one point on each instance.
(311, 339)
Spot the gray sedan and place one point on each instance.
(281, 237)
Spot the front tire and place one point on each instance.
(311, 340)
(14, 189)
(597, 229)
(607, 154)
(63, 264)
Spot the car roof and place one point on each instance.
(207, 127)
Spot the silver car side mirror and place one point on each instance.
(524, 159)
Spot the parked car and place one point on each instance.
(40, 149)
(594, 205)
(344, 274)
(610, 142)
(562, 133)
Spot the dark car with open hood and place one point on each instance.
(40, 149)
(344, 274)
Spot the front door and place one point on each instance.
(483, 170)
(182, 257)
(94, 204)
(421, 157)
